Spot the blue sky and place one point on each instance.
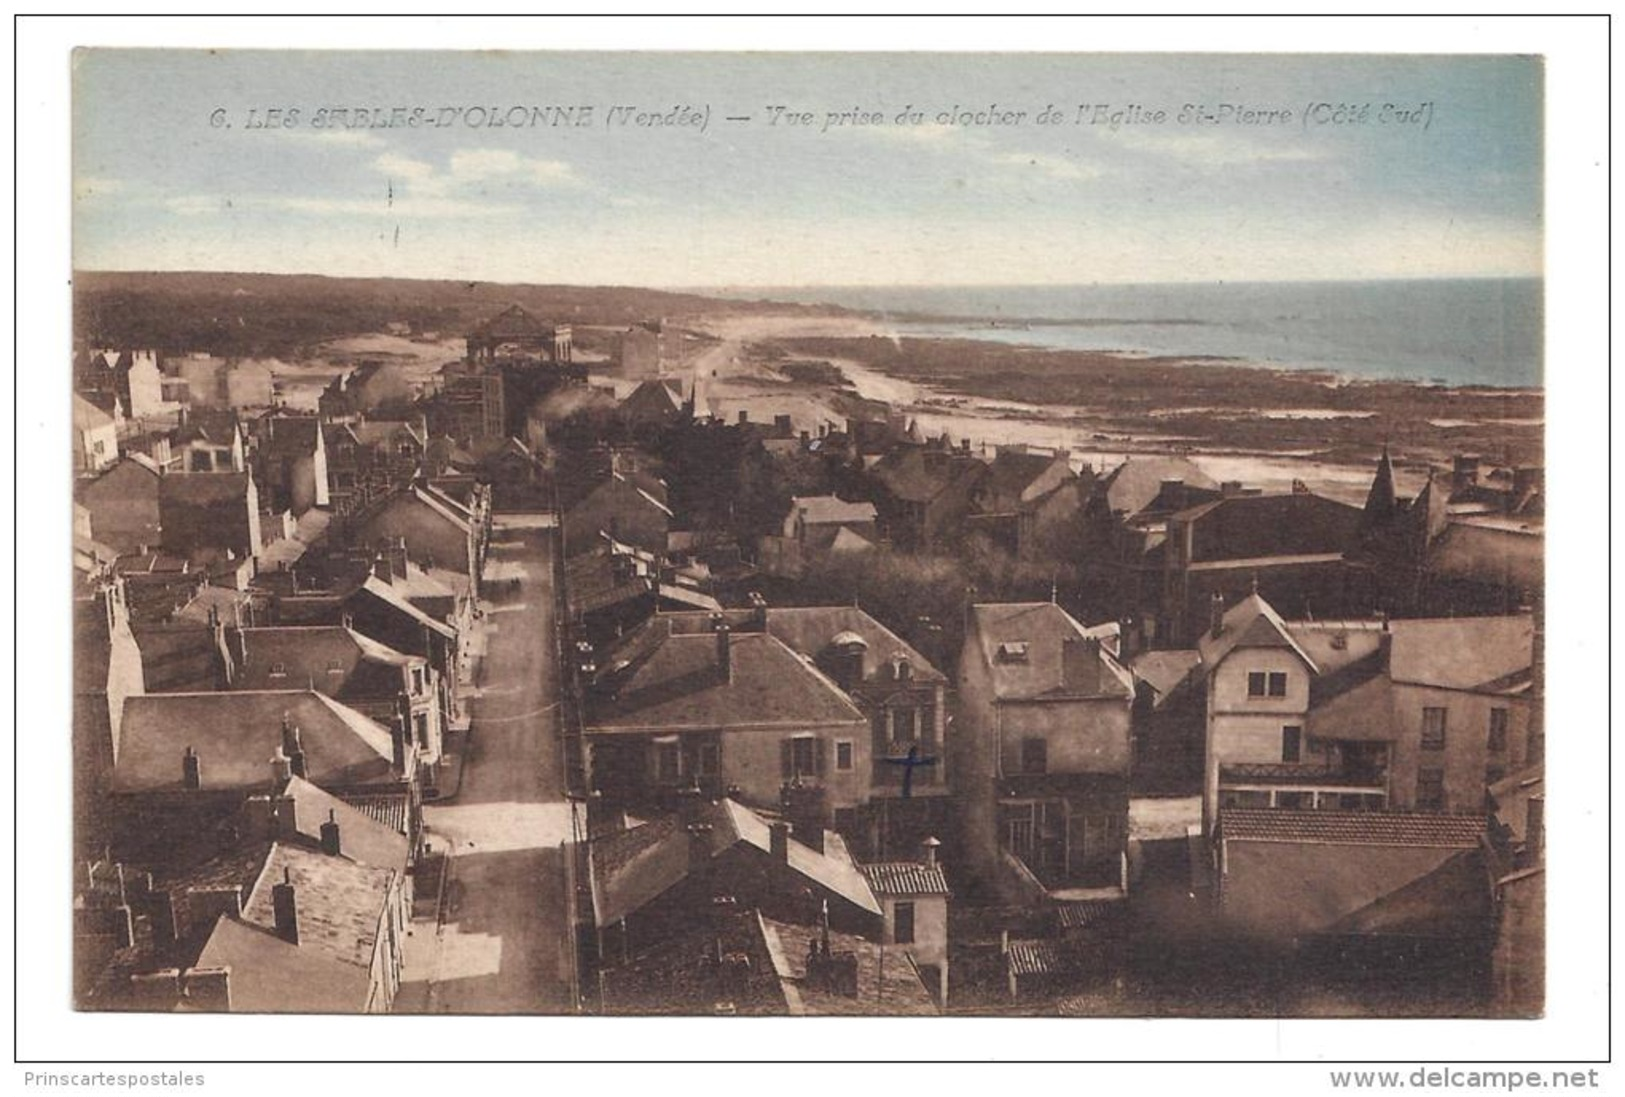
(157, 186)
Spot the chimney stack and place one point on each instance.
(725, 664)
(1534, 836)
(1080, 664)
(330, 835)
(928, 851)
(1216, 613)
(758, 612)
(397, 744)
(699, 845)
(208, 988)
(191, 770)
(285, 909)
(296, 756)
(780, 841)
(281, 768)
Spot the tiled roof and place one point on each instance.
(1042, 958)
(1038, 630)
(1084, 913)
(678, 974)
(904, 878)
(680, 685)
(235, 735)
(391, 811)
(1351, 828)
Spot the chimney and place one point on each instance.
(725, 662)
(758, 612)
(191, 770)
(1230, 489)
(296, 757)
(284, 817)
(208, 988)
(281, 768)
(397, 744)
(1173, 493)
(259, 817)
(744, 416)
(928, 851)
(779, 843)
(699, 845)
(1464, 472)
(1127, 642)
(1080, 664)
(330, 835)
(1534, 834)
(1216, 615)
(285, 909)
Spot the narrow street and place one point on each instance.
(502, 944)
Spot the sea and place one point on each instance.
(1461, 332)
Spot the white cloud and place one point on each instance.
(92, 186)
(469, 169)
(1214, 149)
(336, 139)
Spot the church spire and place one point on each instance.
(1381, 500)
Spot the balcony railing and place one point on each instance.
(1288, 773)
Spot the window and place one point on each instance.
(1255, 683)
(1277, 684)
(903, 924)
(902, 725)
(1018, 835)
(1291, 744)
(417, 679)
(843, 754)
(335, 666)
(1433, 728)
(1430, 790)
(802, 757)
(1498, 730)
(279, 670)
(420, 721)
(668, 762)
(1340, 641)
(1034, 756)
(709, 759)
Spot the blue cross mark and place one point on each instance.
(911, 763)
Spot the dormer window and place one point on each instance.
(1013, 651)
(901, 670)
(335, 666)
(279, 670)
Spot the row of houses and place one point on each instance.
(1333, 733)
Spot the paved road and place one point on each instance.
(503, 945)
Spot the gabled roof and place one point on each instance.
(1259, 527)
(1165, 670)
(914, 476)
(512, 321)
(87, 416)
(812, 630)
(385, 593)
(634, 867)
(1250, 623)
(827, 509)
(1131, 486)
(1417, 830)
(235, 735)
(659, 398)
(338, 660)
(362, 839)
(269, 975)
(1460, 652)
(1021, 643)
(677, 683)
(1013, 479)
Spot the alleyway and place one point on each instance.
(503, 942)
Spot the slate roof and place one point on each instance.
(1261, 527)
(912, 476)
(1165, 670)
(384, 592)
(235, 735)
(204, 489)
(362, 838)
(632, 868)
(1042, 627)
(679, 685)
(1353, 828)
(1250, 623)
(1460, 652)
(269, 975)
(366, 668)
(905, 878)
(1131, 486)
